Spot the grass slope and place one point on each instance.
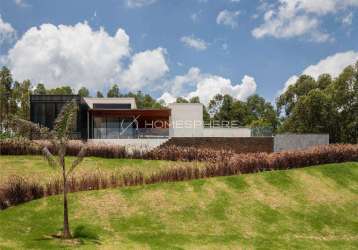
(310, 208)
(37, 169)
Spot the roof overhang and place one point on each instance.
(156, 113)
(90, 101)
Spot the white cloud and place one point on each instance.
(189, 79)
(21, 3)
(193, 42)
(139, 3)
(146, 68)
(348, 19)
(227, 17)
(196, 16)
(7, 32)
(167, 98)
(292, 80)
(75, 55)
(294, 18)
(332, 65)
(80, 56)
(206, 86)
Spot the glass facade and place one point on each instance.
(114, 128)
(44, 110)
(103, 121)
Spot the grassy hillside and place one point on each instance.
(310, 208)
(37, 169)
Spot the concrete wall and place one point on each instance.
(186, 120)
(226, 132)
(236, 144)
(131, 144)
(284, 142)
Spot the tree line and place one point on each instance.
(326, 105)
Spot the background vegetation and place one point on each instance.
(326, 105)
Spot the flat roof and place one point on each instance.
(109, 100)
(54, 98)
(157, 113)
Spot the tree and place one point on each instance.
(194, 99)
(99, 94)
(240, 112)
(15, 94)
(324, 81)
(182, 100)
(40, 89)
(325, 106)
(83, 92)
(5, 95)
(63, 90)
(225, 112)
(59, 138)
(313, 113)
(260, 113)
(344, 91)
(290, 97)
(113, 91)
(21, 99)
(215, 104)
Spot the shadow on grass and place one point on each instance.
(83, 234)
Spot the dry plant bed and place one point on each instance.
(218, 163)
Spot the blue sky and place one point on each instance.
(178, 47)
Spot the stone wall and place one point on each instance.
(299, 141)
(237, 144)
(226, 132)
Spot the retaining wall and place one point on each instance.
(237, 144)
(299, 141)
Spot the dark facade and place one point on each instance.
(45, 108)
(101, 120)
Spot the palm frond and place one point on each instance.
(66, 120)
(49, 157)
(80, 156)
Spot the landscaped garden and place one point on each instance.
(308, 208)
(35, 168)
(173, 197)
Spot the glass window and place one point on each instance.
(99, 128)
(112, 128)
(127, 128)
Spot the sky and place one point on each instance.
(171, 48)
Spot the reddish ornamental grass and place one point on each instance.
(219, 163)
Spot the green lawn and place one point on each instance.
(37, 169)
(310, 208)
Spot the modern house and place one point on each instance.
(119, 121)
(119, 118)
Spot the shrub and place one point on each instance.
(179, 153)
(18, 190)
(21, 146)
(85, 232)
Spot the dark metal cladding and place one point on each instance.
(45, 108)
(112, 106)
